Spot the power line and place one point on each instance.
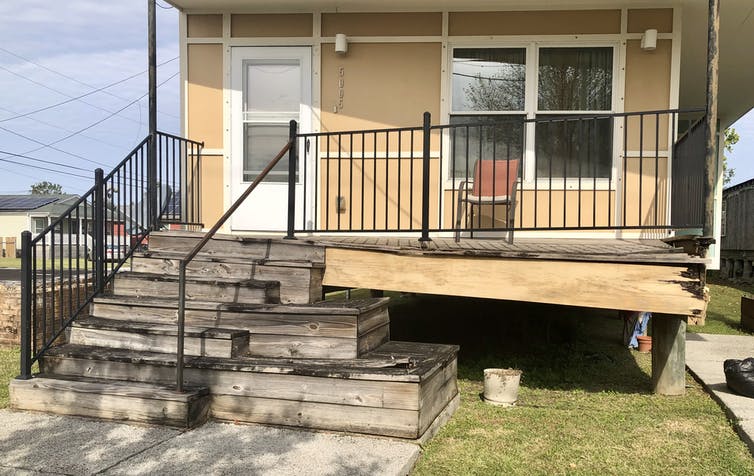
(71, 99)
(111, 115)
(18, 134)
(38, 167)
(40, 160)
(70, 78)
(93, 124)
(56, 126)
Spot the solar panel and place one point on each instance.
(25, 202)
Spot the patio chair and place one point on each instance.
(494, 184)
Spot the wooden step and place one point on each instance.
(398, 390)
(275, 249)
(329, 329)
(206, 289)
(154, 337)
(111, 400)
(300, 281)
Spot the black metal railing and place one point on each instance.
(290, 149)
(606, 171)
(687, 192)
(66, 265)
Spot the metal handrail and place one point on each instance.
(192, 254)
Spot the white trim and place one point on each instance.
(531, 106)
(183, 72)
(227, 120)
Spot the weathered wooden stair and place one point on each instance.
(260, 347)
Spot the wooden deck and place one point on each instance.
(599, 250)
(639, 275)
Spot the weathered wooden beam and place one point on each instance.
(670, 289)
(669, 354)
(710, 168)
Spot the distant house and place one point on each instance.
(737, 247)
(32, 212)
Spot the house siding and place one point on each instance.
(391, 81)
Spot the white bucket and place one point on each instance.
(501, 386)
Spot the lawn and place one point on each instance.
(724, 310)
(585, 405)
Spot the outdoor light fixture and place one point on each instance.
(341, 44)
(649, 40)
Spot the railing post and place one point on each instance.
(152, 206)
(26, 270)
(181, 326)
(99, 230)
(425, 178)
(292, 157)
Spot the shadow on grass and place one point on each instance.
(557, 347)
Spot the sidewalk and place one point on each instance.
(705, 354)
(42, 444)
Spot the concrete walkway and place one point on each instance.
(705, 354)
(42, 444)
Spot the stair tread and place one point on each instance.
(208, 258)
(329, 307)
(117, 387)
(156, 328)
(393, 361)
(252, 283)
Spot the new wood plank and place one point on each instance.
(655, 288)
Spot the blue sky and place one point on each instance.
(51, 52)
(69, 48)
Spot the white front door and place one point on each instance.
(270, 86)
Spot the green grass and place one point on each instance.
(9, 362)
(724, 309)
(585, 405)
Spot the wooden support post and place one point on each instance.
(669, 354)
(710, 168)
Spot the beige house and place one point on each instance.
(589, 101)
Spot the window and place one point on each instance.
(574, 80)
(38, 224)
(489, 90)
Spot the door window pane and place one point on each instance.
(489, 79)
(262, 142)
(486, 137)
(574, 148)
(575, 79)
(272, 86)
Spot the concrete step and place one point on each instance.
(300, 281)
(155, 337)
(235, 246)
(329, 329)
(224, 290)
(111, 400)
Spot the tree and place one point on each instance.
(46, 188)
(731, 139)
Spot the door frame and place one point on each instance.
(307, 182)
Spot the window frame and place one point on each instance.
(531, 110)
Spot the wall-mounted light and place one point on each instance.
(341, 44)
(649, 40)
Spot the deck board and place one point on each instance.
(600, 250)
